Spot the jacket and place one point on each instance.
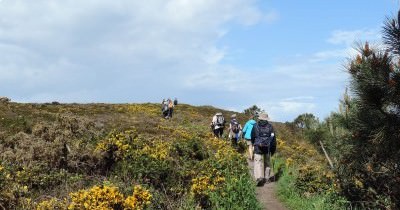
(248, 128)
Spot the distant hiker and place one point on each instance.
(248, 127)
(235, 130)
(164, 108)
(175, 101)
(218, 124)
(264, 147)
(170, 108)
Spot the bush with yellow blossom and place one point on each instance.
(139, 200)
(97, 197)
(100, 197)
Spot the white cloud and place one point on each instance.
(350, 37)
(143, 51)
(151, 48)
(289, 108)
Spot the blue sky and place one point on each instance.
(287, 57)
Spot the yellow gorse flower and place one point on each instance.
(120, 142)
(98, 197)
(139, 200)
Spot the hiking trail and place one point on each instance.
(266, 194)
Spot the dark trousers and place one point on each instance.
(165, 113)
(170, 110)
(218, 132)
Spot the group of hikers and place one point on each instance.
(167, 107)
(259, 136)
(257, 132)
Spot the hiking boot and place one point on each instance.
(260, 182)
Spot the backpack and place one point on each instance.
(165, 107)
(264, 138)
(176, 102)
(235, 126)
(220, 120)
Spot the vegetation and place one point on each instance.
(363, 137)
(253, 110)
(304, 179)
(122, 156)
(126, 156)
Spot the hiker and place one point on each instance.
(170, 108)
(218, 124)
(248, 127)
(264, 147)
(164, 108)
(235, 130)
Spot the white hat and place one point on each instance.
(263, 116)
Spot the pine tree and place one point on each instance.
(370, 171)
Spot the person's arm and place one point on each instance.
(273, 142)
(253, 133)
(272, 131)
(245, 127)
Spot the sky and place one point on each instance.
(286, 57)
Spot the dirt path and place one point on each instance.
(266, 194)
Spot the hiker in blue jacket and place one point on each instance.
(247, 136)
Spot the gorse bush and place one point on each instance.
(305, 181)
(100, 197)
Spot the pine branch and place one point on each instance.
(391, 34)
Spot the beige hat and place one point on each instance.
(263, 116)
(233, 116)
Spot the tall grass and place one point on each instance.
(296, 199)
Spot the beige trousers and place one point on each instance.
(250, 149)
(262, 166)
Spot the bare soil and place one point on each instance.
(266, 193)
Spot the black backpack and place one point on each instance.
(264, 139)
(235, 126)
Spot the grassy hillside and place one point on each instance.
(126, 156)
(121, 156)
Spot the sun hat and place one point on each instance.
(233, 116)
(263, 116)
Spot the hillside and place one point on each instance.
(126, 156)
(67, 154)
